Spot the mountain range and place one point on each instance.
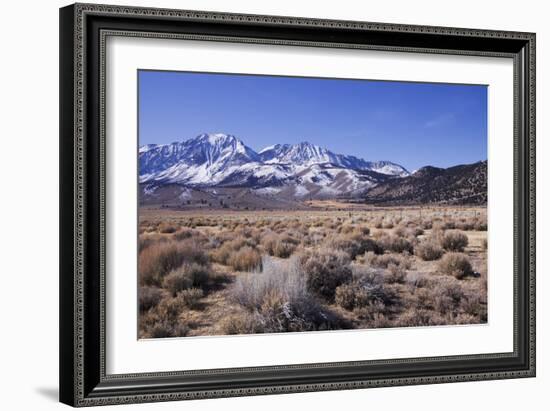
(462, 184)
(216, 163)
(221, 160)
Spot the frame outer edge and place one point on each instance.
(532, 202)
(72, 138)
(67, 332)
(244, 18)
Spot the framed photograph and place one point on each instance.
(261, 204)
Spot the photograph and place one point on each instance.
(274, 204)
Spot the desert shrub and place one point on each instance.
(149, 297)
(217, 279)
(419, 318)
(345, 296)
(437, 233)
(330, 225)
(384, 260)
(456, 301)
(474, 304)
(449, 225)
(395, 274)
(480, 224)
(376, 316)
(222, 253)
(465, 225)
(325, 270)
(428, 250)
(394, 244)
(184, 233)
(353, 244)
(144, 242)
(169, 309)
(282, 278)
(377, 223)
(454, 241)
(414, 231)
(242, 323)
(400, 231)
(388, 224)
(426, 224)
(356, 295)
(484, 244)
(245, 259)
(153, 324)
(199, 274)
(346, 228)
(366, 289)
(350, 296)
(176, 280)
(280, 299)
(228, 248)
(190, 297)
(362, 230)
(159, 259)
(447, 296)
(166, 329)
(252, 236)
(192, 252)
(455, 264)
(185, 277)
(279, 245)
(420, 281)
(284, 249)
(280, 315)
(378, 291)
(167, 228)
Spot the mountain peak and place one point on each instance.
(217, 138)
(273, 147)
(306, 144)
(303, 153)
(426, 171)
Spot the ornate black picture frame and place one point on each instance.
(83, 30)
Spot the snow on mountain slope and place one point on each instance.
(211, 160)
(307, 154)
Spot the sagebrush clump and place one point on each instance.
(455, 264)
(325, 270)
(429, 250)
(160, 258)
(185, 277)
(278, 300)
(245, 259)
(149, 297)
(454, 241)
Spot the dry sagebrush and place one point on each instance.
(278, 300)
(159, 259)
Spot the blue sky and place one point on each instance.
(412, 124)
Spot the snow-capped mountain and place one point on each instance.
(221, 160)
(307, 154)
(209, 153)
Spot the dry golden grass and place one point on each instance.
(279, 245)
(330, 267)
(245, 259)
